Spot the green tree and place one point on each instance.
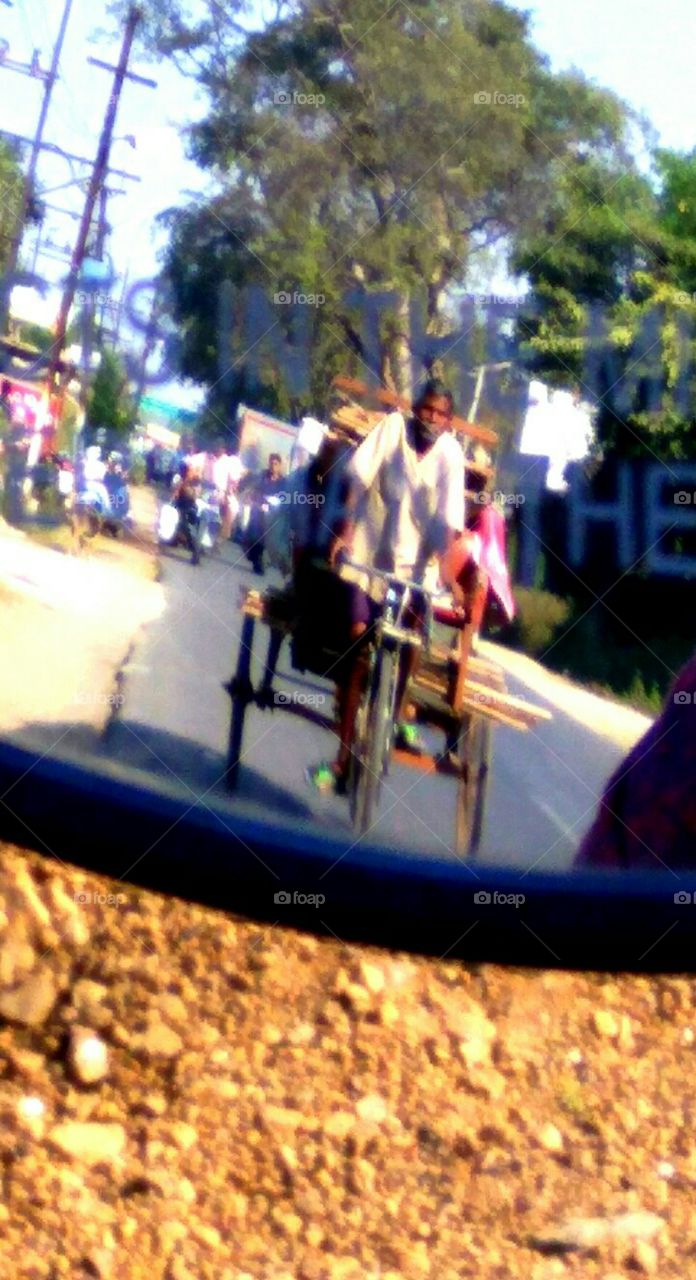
(363, 152)
(11, 193)
(110, 404)
(613, 302)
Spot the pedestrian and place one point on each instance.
(184, 498)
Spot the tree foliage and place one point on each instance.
(613, 302)
(110, 404)
(361, 151)
(11, 194)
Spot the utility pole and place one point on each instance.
(150, 340)
(30, 178)
(89, 312)
(99, 173)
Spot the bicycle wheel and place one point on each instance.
(474, 755)
(373, 744)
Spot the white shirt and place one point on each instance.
(411, 502)
(228, 471)
(221, 472)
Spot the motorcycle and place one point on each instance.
(101, 506)
(210, 519)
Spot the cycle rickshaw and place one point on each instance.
(455, 690)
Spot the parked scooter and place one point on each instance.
(101, 501)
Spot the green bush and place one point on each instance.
(539, 620)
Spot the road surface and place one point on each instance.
(175, 717)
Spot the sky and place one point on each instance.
(645, 54)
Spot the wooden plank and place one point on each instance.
(488, 712)
(391, 400)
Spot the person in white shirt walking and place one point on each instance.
(404, 512)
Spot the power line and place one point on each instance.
(30, 177)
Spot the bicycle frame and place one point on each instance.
(391, 622)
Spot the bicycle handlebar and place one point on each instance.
(387, 577)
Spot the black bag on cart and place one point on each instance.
(322, 631)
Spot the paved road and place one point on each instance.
(174, 722)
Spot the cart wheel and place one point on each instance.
(474, 756)
(372, 742)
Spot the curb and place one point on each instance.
(604, 717)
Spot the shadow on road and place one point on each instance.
(199, 769)
(196, 770)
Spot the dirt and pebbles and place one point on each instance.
(187, 1096)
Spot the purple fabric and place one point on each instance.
(647, 815)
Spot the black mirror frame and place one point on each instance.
(115, 822)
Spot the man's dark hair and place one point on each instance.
(274, 457)
(434, 387)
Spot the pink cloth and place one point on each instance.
(486, 546)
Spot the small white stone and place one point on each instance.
(31, 1108)
(687, 1036)
(372, 1108)
(89, 1056)
(665, 1170)
(551, 1138)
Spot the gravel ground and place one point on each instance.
(186, 1096)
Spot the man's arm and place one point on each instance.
(362, 472)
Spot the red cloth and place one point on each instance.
(647, 815)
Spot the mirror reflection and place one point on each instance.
(368, 507)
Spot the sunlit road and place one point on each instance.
(175, 717)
